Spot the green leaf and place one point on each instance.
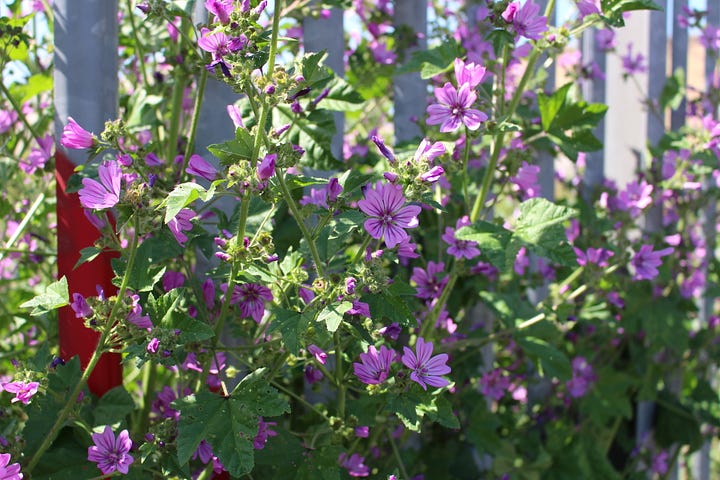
(164, 313)
(112, 407)
(228, 424)
(673, 91)
(388, 304)
(182, 196)
(44, 409)
(313, 133)
(36, 85)
(552, 362)
(320, 464)
(332, 315)
(433, 61)
(492, 240)
(675, 423)
(551, 105)
(233, 151)
(405, 407)
(55, 296)
(292, 326)
(87, 255)
(540, 228)
(147, 269)
(342, 97)
(483, 429)
(311, 67)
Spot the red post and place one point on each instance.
(75, 232)
(86, 88)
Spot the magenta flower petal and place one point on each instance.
(389, 216)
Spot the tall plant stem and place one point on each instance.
(20, 113)
(138, 44)
(339, 374)
(23, 224)
(195, 118)
(72, 398)
(298, 218)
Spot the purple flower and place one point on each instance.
(318, 353)
(23, 391)
(313, 375)
(432, 175)
(660, 463)
(453, 109)
(389, 216)
(9, 472)
(251, 298)
(354, 465)
(426, 370)
(7, 119)
(153, 345)
(428, 151)
(80, 306)
(429, 286)
(74, 136)
(588, 7)
(646, 261)
(582, 377)
(633, 64)
(526, 180)
(222, 10)
(199, 167)
(387, 153)
(522, 261)
(172, 280)
(374, 366)
(38, 157)
(598, 256)
(110, 454)
(136, 317)
(263, 433)
(494, 384)
(460, 248)
(208, 289)
(469, 73)
(234, 114)
(635, 198)
(362, 431)
(359, 308)
(106, 192)
(526, 19)
(219, 45)
(180, 223)
(266, 168)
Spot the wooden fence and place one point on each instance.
(86, 89)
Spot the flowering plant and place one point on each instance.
(414, 311)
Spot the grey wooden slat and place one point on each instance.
(679, 59)
(327, 34)
(594, 92)
(86, 66)
(410, 91)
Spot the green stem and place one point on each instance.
(138, 45)
(69, 405)
(361, 251)
(466, 158)
(20, 113)
(297, 397)
(339, 374)
(396, 453)
(300, 222)
(23, 224)
(432, 317)
(195, 118)
(99, 348)
(149, 376)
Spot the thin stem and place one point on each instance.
(195, 117)
(99, 348)
(301, 223)
(20, 113)
(339, 374)
(21, 227)
(396, 453)
(432, 317)
(138, 45)
(297, 397)
(361, 251)
(466, 158)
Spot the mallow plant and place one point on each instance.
(417, 309)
